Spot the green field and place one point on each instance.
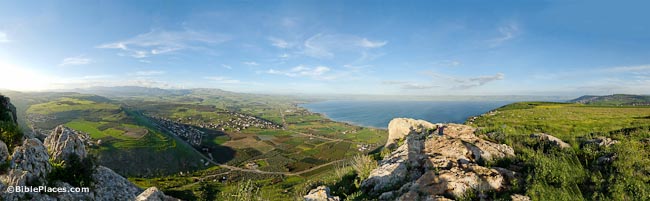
(575, 174)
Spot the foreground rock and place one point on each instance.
(30, 166)
(321, 193)
(427, 166)
(153, 194)
(551, 139)
(63, 142)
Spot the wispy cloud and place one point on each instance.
(250, 63)
(158, 42)
(410, 85)
(507, 32)
(147, 73)
(638, 68)
(364, 42)
(446, 63)
(471, 82)
(280, 43)
(417, 86)
(317, 72)
(222, 80)
(3, 37)
(77, 60)
(226, 66)
(326, 45)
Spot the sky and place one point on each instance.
(329, 47)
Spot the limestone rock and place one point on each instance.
(602, 141)
(32, 158)
(153, 194)
(109, 185)
(321, 193)
(431, 167)
(398, 128)
(552, 139)
(4, 152)
(63, 142)
(517, 197)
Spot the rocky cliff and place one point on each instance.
(31, 163)
(424, 165)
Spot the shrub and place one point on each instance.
(363, 165)
(75, 171)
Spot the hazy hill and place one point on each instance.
(616, 99)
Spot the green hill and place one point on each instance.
(616, 99)
(125, 141)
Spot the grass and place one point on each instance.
(574, 174)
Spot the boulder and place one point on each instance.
(32, 158)
(552, 139)
(153, 194)
(109, 185)
(432, 167)
(4, 152)
(63, 142)
(602, 141)
(398, 128)
(321, 193)
(518, 197)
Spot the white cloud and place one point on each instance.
(4, 38)
(466, 83)
(326, 45)
(409, 85)
(279, 43)
(639, 68)
(158, 42)
(507, 32)
(364, 42)
(448, 81)
(77, 60)
(226, 66)
(318, 72)
(222, 80)
(446, 63)
(147, 73)
(251, 63)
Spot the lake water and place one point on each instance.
(379, 113)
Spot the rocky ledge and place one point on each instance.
(30, 165)
(424, 165)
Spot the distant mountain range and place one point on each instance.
(616, 99)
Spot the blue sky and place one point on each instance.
(330, 47)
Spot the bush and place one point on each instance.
(75, 171)
(363, 165)
(10, 134)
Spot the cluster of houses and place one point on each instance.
(235, 122)
(190, 134)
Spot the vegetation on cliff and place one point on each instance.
(586, 170)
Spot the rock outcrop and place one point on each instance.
(32, 159)
(110, 185)
(400, 127)
(602, 141)
(551, 139)
(4, 153)
(30, 166)
(153, 194)
(427, 166)
(7, 110)
(321, 193)
(63, 142)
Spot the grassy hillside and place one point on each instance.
(575, 173)
(615, 100)
(126, 143)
